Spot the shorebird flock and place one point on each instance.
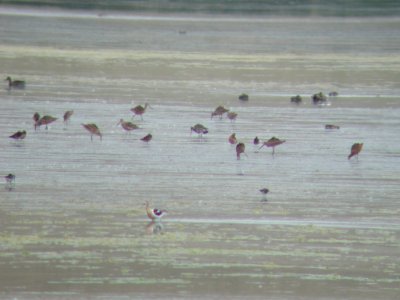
(139, 110)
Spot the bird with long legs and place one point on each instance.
(67, 116)
(272, 142)
(232, 116)
(93, 130)
(45, 120)
(147, 138)
(154, 214)
(355, 150)
(264, 192)
(219, 111)
(139, 110)
(15, 84)
(199, 129)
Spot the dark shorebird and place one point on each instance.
(239, 150)
(244, 97)
(219, 111)
(264, 191)
(67, 116)
(139, 110)
(45, 120)
(232, 139)
(15, 84)
(10, 178)
(272, 142)
(331, 126)
(147, 138)
(355, 150)
(199, 129)
(19, 135)
(93, 129)
(36, 118)
(127, 126)
(154, 213)
(256, 141)
(319, 98)
(296, 99)
(232, 115)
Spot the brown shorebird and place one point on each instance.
(199, 129)
(239, 149)
(331, 126)
(147, 138)
(36, 118)
(219, 111)
(9, 178)
(127, 126)
(139, 110)
(154, 214)
(45, 120)
(232, 115)
(232, 139)
(93, 129)
(256, 141)
(15, 84)
(272, 142)
(67, 115)
(355, 150)
(19, 135)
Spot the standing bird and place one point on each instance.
(45, 120)
(93, 129)
(219, 111)
(272, 142)
(127, 126)
(256, 140)
(232, 139)
(147, 138)
(199, 129)
(154, 213)
(264, 191)
(19, 135)
(36, 118)
(232, 115)
(239, 149)
(15, 84)
(67, 116)
(355, 150)
(10, 178)
(139, 110)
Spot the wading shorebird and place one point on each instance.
(139, 110)
(219, 111)
(199, 129)
(67, 116)
(93, 129)
(45, 120)
(256, 141)
(239, 150)
(19, 135)
(36, 118)
(355, 150)
(127, 126)
(272, 142)
(264, 191)
(331, 126)
(154, 213)
(232, 115)
(232, 139)
(10, 178)
(15, 84)
(147, 138)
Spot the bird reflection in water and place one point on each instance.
(154, 227)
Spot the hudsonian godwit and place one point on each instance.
(139, 110)
(355, 150)
(272, 142)
(19, 135)
(93, 129)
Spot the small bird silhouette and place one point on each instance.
(272, 142)
(219, 111)
(355, 150)
(10, 178)
(147, 138)
(15, 84)
(45, 120)
(67, 116)
(139, 110)
(239, 150)
(19, 135)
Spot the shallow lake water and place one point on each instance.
(73, 225)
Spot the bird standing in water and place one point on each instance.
(154, 213)
(10, 178)
(67, 116)
(139, 110)
(239, 150)
(127, 126)
(232, 139)
(15, 84)
(219, 111)
(147, 138)
(232, 115)
(272, 142)
(93, 129)
(199, 129)
(19, 135)
(355, 150)
(45, 120)
(264, 191)
(256, 141)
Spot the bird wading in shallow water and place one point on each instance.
(199, 129)
(147, 138)
(219, 111)
(154, 213)
(232, 115)
(273, 142)
(45, 120)
(93, 129)
(264, 191)
(355, 150)
(239, 150)
(67, 116)
(19, 135)
(256, 141)
(127, 126)
(232, 139)
(139, 110)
